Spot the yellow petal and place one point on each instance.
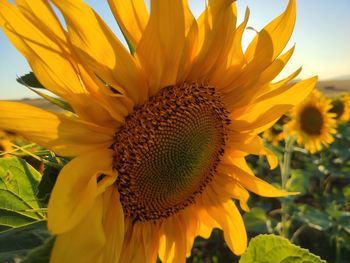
(98, 47)
(204, 231)
(226, 186)
(46, 57)
(190, 220)
(132, 17)
(113, 224)
(172, 244)
(262, 115)
(206, 222)
(262, 51)
(276, 67)
(64, 135)
(256, 185)
(150, 234)
(263, 92)
(190, 46)
(85, 242)
(231, 222)
(216, 34)
(293, 93)
(137, 246)
(253, 121)
(44, 19)
(162, 43)
(44, 45)
(226, 68)
(251, 144)
(274, 37)
(77, 188)
(271, 158)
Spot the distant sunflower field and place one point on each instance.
(178, 146)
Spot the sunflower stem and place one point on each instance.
(285, 172)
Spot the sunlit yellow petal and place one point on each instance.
(113, 223)
(172, 246)
(216, 34)
(77, 188)
(273, 37)
(166, 26)
(132, 17)
(140, 243)
(256, 185)
(85, 242)
(231, 222)
(96, 44)
(46, 57)
(64, 135)
(275, 104)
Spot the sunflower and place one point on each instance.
(341, 107)
(312, 122)
(160, 133)
(276, 133)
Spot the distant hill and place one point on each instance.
(343, 77)
(334, 87)
(41, 103)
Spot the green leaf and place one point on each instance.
(60, 103)
(17, 242)
(346, 191)
(131, 46)
(276, 249)
(18, 186)
(30, 80)
(314, 218)
(40, 254)
(299, 181)
(49, 178)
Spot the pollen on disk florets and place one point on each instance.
(168, 150)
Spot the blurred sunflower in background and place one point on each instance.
(312, 122)
(160, 133)
(276, 133)
(341, 107)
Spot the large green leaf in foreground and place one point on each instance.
(18, 186)
(18, 242)
(22, 224)
(276, 249)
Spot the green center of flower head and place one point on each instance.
(311, 120)
(168, 150)
(338, 108)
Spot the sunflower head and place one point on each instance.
(160, 132)
(341, 107)
(312, 122)
(183, 127)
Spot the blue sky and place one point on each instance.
(321, 35)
